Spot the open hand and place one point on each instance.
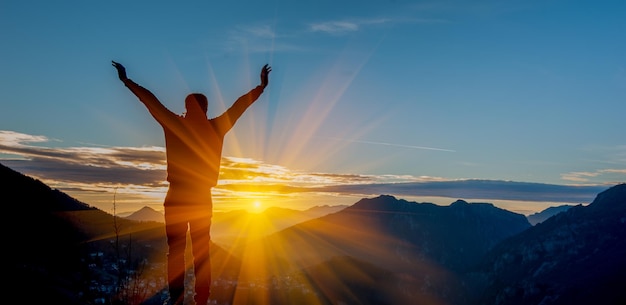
(265, 71)
(121, 71)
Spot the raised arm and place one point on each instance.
(227, 119)
(265, 72)
(155, 107)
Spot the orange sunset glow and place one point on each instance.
(313, 152)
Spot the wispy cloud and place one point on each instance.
(334, 27)
(344, 26)
(16, 139)
(258, 39)
(266, 38)
(605, 174)
(113, 165)
(136, 170)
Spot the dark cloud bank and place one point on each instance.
(480, 189)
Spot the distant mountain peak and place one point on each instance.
(459, 202)
(146, 208)
(611, 199)
(387, 197)
(146, 214)
(381, 203)
(473, 206)
(547, 213)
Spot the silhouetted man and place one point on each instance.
(193, 145)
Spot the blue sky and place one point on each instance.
(363, 94)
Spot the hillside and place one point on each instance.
(574, 257)
(43, 247)
(384, 229)
(547, 213)
(69, 247)
(380, 250)
(422, 243)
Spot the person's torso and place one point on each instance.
(193, 150)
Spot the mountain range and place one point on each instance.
(575, 257)
(421, 244)
(380, 250)
(149, 214)
(230, 227)
(547, 213)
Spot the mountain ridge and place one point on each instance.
(574, 257)
(53, 256)
(541, 216)
(146, 213)
(380, 250)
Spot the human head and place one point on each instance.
(192, 101)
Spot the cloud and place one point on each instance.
(261, 38)
(15, 139)
(111, 165)
(249, 172)
(334, 27)
(614, 175)
(339, 27)
(578, 176)
(480, 189)
(461, 189)
(257, 39)
(142, 169)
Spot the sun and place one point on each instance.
(256, 206)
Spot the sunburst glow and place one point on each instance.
(405, 102)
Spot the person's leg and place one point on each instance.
(176, 232)
(200, 229)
